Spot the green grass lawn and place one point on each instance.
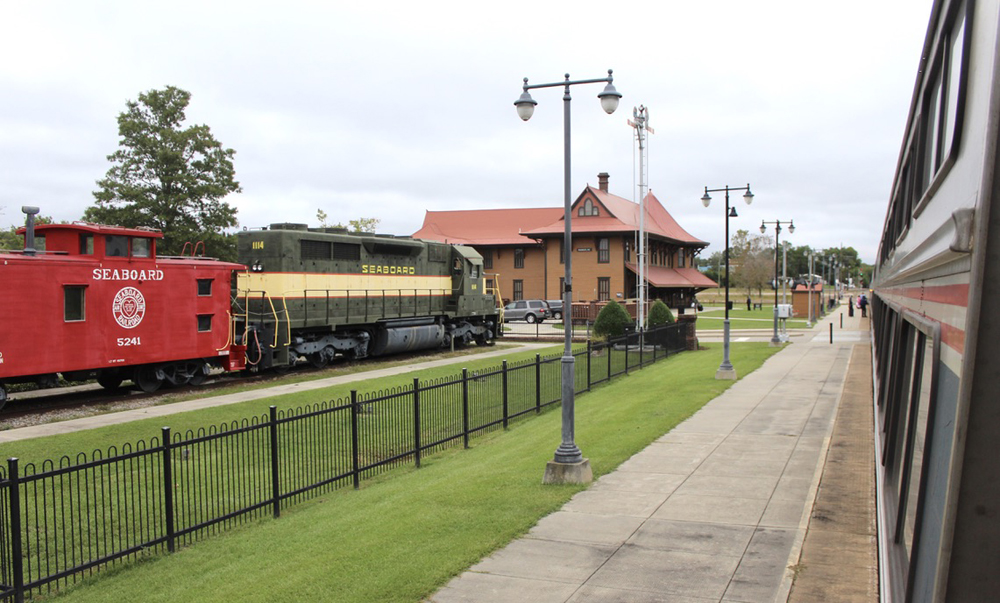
(406, 533)
(744, 319)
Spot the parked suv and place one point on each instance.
(531, 310)
(556, 307)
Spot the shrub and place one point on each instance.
(612, 320)
(659, 315)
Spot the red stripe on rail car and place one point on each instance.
(953, 337)
(953, 295)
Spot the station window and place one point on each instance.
(603, 288)
(86, 244)
(204, 287)
(488, 259)
(74, 303)
(518, 289)
(204, 323)
(603, 251)
(518, 258)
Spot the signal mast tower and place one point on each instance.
(641, 117)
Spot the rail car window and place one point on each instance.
(518, 258)
(115, 246)
(74, 303)
(204, 323)
(916, 440)
(86, 244)
(518, 289)
(315, 250)
(204, 287)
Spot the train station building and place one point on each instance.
(523, 250)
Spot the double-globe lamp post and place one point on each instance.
(775, 340)
(726, 370)
(568, 464)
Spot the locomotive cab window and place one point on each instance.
(204, 323)
(74, 303)
(204, 287)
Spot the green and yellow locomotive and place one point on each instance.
(315, 293)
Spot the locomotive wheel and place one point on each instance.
(318, 360)
(530, 318)
(109, 379)
(146, 379)
(485, 340)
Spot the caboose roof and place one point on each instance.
(96, 229)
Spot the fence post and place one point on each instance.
(608, 348)
(168, 488)
(538, 383)
(505, 409)
(416, 421)
(626, 353)
(465, 407)
(17, 564)
(275, 484)
(589, 356)
(355, 454)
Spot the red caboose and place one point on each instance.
(96, 302)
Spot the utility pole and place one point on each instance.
(641, 116)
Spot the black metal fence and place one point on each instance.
(60, 520)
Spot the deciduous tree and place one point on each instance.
(169, 176)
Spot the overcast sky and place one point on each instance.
(389, 109)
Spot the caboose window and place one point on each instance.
(115, 246)
(140, 247)
(204, 323)
(74, 303)
(86, 244)
(204, 287)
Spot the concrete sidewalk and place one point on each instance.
(715, 510)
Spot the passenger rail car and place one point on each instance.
(96, 302)
(936, 330)
(315, 293)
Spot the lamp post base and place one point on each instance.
(726, 373)
(568, 473)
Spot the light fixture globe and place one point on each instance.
(525, 105)
(706, 199)
(791, 228)
(748, 197)
(763, 228)
(609, 98)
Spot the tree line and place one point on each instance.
(169, 176)
(752, 261)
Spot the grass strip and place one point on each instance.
(405, 534)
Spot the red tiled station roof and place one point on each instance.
(619, 215)
(661, 276)
(485, 226)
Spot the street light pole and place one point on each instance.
(726, 370)
(568, 464)
(775, 340)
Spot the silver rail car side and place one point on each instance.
(936, 324)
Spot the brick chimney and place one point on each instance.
(602, 181)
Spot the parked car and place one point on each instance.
(556, 307)
(530, 310)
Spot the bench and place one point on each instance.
(758, 306)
